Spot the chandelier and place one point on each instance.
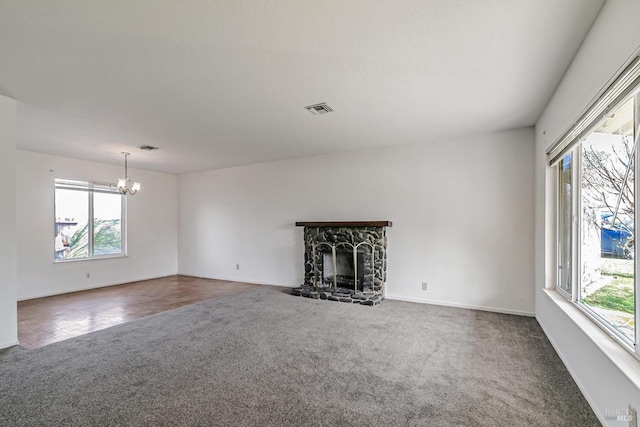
(125, 186)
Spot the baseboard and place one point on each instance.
(443, 303)
(581, 387)
(86, 288)
(235, 279)
(467, 306)
(9, 344)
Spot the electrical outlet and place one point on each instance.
(424, 286)
(88, 275)
(633, 417)
(237, 266)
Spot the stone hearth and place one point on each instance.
(345, 261)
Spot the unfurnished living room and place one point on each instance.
(319, 213)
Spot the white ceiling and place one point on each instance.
(224, 83)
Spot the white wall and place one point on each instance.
(613, 38)
(8, 309)
(152, 227)
(462, 215)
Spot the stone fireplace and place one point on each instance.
(345, 261)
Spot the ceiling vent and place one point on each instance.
(148, 148)
(321, 108)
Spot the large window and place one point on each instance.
(596, 215)
(89, 221)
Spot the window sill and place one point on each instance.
(612, 347)
(64, 261)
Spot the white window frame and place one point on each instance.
(574, 240)
(91, 188)
(622, 86)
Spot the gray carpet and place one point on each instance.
(264, 357)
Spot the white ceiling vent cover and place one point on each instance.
(321, 108)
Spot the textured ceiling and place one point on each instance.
(224, 83)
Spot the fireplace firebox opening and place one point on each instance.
(346, 269)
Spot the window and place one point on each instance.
(596, 164)
(607, 229)
(565, 219)
(89, 221)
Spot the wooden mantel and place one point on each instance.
(345, 224)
